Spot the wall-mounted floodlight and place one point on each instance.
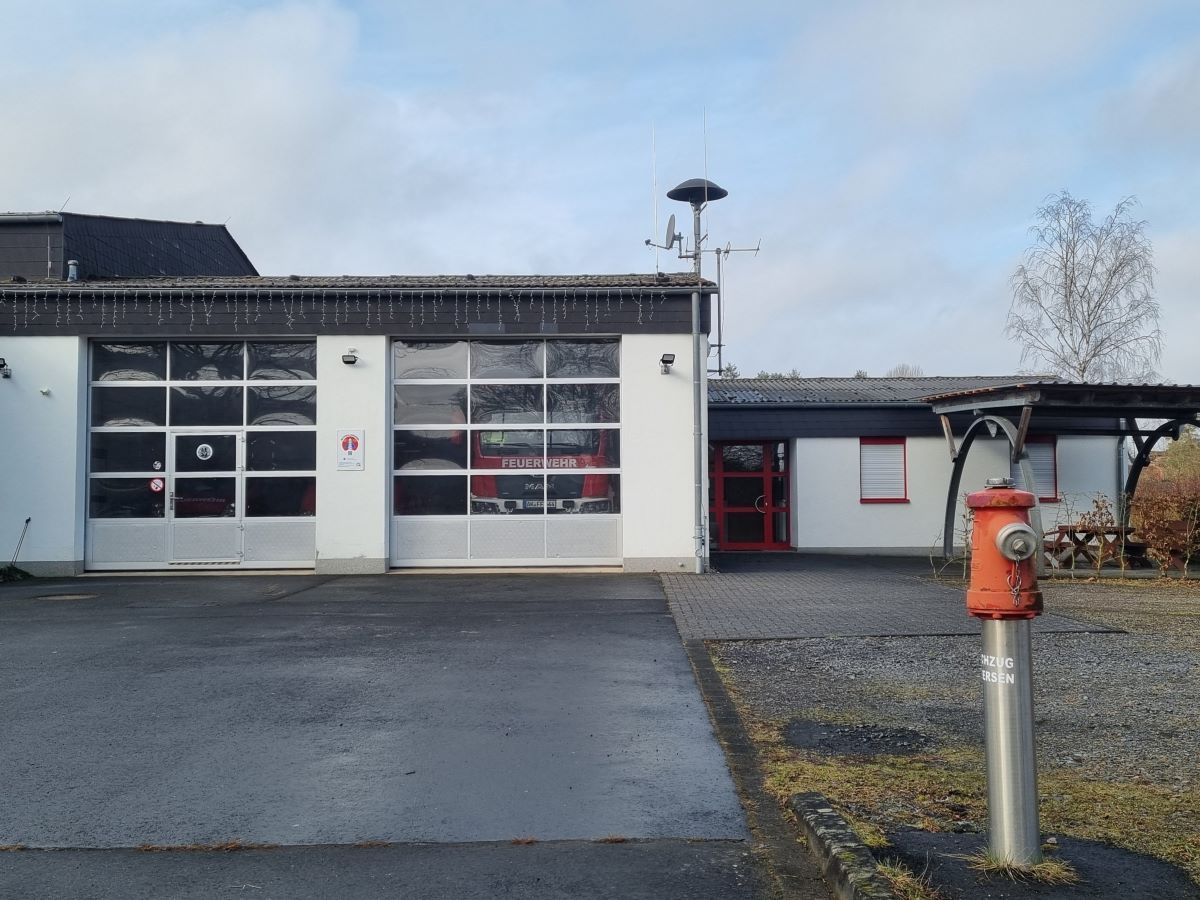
(668, 360)
(5, 371)
(350, 357)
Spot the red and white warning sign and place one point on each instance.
(351, 446)
(156, 485)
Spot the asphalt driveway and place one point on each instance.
(465, 711)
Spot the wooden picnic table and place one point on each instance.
(1079, 546)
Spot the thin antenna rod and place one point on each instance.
(65, 202)
(654, 193)
(704, 136)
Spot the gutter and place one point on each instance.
(177, 287)
(31, 219)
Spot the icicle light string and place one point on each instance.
(255, 307)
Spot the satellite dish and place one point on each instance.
(670, 239)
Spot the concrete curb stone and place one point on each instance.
(846, 862)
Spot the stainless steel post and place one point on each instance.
(1007, 673)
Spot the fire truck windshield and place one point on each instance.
(572, 442)
(510, 443)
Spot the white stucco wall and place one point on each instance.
(828, 515)
(42, 452)
(657, 477)
(353, 508)
(1087, 466)
(827, 512)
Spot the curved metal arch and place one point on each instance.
(960, 461)
(1167, 429)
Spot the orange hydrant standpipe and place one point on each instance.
(1002, 587)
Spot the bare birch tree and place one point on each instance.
(905, 370)
(1083, 298)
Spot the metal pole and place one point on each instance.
(1007, 672)
(697, 434)
(699, 363)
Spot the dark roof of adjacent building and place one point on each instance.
(775, 408)
(674, 282)
(825, 392)
(39, 246)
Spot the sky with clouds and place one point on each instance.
(888, 155)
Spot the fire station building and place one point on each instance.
(164, 406)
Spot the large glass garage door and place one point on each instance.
(506, 452)
(202, 454)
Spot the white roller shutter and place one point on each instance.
(1042, 461)
(881, 470)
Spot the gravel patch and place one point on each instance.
(864, 740)
(1117, 705)
(1120, 709)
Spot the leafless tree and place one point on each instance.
(1083, 298)
(905, 370)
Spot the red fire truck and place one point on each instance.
(569, 485)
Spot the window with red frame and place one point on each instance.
(1043, 459)
(882, 470)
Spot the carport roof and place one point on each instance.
(1065, 398)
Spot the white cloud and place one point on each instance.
(1176, 286)
(888, 154)
(1161, 104)
(253, 117)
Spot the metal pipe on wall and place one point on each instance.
(698, 360)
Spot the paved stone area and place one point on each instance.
(790, 595)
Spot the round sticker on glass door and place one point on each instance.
(204, 451)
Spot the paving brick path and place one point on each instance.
(796, 596)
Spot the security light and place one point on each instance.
(668, 360)
(5, 371)
(350, 357)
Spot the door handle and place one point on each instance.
(759, 499)
(171, 497)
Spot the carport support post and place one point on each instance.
(1007, 666)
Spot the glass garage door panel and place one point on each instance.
(201, 452)
(506, 450)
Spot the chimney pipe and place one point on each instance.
(72, 270)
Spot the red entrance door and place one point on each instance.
(748, 494)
